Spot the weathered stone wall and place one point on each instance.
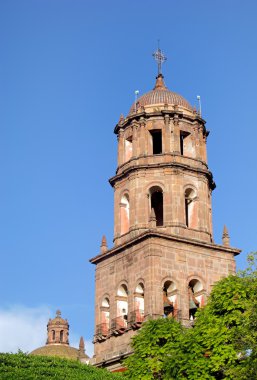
(153, 261)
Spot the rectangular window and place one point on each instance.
(186, 211)
(157, 141)
(183, 142)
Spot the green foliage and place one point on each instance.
(212, 349)
(157, 340)
(27, 367)
(251, 270)
(247, 337)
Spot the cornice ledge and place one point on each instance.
(153, 233)
(161, 112)
(113, 360)
(130, 169)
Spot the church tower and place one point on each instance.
(164, 260)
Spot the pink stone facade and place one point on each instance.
(163, 239)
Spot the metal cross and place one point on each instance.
(160, 59)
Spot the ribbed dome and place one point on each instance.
(160, 94)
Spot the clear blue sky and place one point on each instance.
(68, 69)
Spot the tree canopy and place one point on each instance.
(28, 367)
(157, 340)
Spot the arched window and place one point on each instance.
(156, 195)
(105, 317)
(124, 214)
(120, 322)
(195, 296)
(190, 208)
(137, 316)
(170, 302)
(53, 335)
(61, 336)
(128, 148)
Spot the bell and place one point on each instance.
(192, 305)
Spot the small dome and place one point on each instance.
(58, 320)
(160, 94)
(58, 343)
(61, 351)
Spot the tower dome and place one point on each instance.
(160, 95)
(57, 343)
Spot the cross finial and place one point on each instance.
(160, 58)
(58, 313)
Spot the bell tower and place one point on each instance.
(164, 260)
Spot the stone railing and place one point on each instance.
(136, 316)
(119, 324)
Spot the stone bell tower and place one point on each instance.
(164, 261)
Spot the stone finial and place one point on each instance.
(225, 237)
(152, 219)
(81, 345)
(121, 119)
(104, 247)
(159, 83)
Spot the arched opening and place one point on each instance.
(170, 304)
(120, 322)
(128, 148)
(156, 195)
(53, 335)
(190, 208)
(124, 214)
(61, 336)
(195, 296)
(137, 316)
(105, 317)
